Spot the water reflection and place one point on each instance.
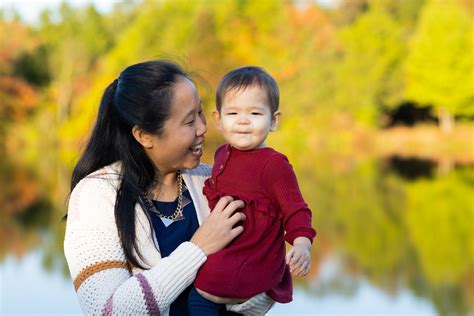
(395, 235)
(411, 168)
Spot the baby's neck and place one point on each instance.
(250, 149)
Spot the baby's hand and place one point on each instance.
(299, 257)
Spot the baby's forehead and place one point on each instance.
(234, 92)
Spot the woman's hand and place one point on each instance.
(218, 229)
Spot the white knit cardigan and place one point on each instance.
(105, 282)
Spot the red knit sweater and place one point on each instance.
(255, 261)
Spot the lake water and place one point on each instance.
(395, 237)
(27, 289)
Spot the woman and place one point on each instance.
(138, 228)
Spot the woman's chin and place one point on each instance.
(192, 163)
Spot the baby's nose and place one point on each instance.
(243, 119)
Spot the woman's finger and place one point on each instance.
(236, 231)
(237, 217)
(222, 203)
(232, 207)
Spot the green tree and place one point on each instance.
(440, 64)
(75, 44)
(371, 50)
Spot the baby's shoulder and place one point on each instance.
(273, 155)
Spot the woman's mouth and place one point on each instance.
(196, 149)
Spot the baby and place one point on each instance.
(247, 110)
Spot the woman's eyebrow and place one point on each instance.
(191, 112)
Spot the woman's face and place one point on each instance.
(180, 144)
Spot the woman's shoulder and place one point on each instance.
(95, 194)
(109, 175)
(201, 170)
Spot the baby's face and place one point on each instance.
(245, 118)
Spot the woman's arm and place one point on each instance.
(98, 266)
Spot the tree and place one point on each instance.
(370, 55)
(440, 64)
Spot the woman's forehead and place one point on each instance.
(185, 97)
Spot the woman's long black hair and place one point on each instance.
(141, 96)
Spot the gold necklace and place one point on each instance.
(177, 214)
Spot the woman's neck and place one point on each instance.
(166, 188)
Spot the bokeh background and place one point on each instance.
(378, 121)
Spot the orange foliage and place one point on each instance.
(22, 190)
(316, 20)
(13, 46)
(17, 97)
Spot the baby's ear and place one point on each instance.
(275, 121)
(217, 118)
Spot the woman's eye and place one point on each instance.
(190, 122)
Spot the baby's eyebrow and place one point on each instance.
(230, 108)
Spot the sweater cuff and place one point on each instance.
(177, 271)
(193, 245)
(303, 232)
(299, 225)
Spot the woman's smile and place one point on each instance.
(196, 150)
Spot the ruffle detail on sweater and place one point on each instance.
(259, 204)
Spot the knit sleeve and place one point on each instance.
(281, 185)
(102, 277)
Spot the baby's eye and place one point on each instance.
(232, 113)
(256, 113)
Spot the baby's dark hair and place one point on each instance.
(245, 77)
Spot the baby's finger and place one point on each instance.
(295, 269)
(302, 270)
(298, 261)
(307, 268)
(289, 254)
(306, 271)
(295, 258)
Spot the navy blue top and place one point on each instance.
(169, 238)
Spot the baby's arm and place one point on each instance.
(283, 188)
(299, 256)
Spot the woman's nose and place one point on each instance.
(202, 127)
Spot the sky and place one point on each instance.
(29, 10)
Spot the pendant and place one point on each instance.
(167, 222)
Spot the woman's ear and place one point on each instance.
(217, 118)
(275, 120)
(142, 137)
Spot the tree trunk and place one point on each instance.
(445, 119)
